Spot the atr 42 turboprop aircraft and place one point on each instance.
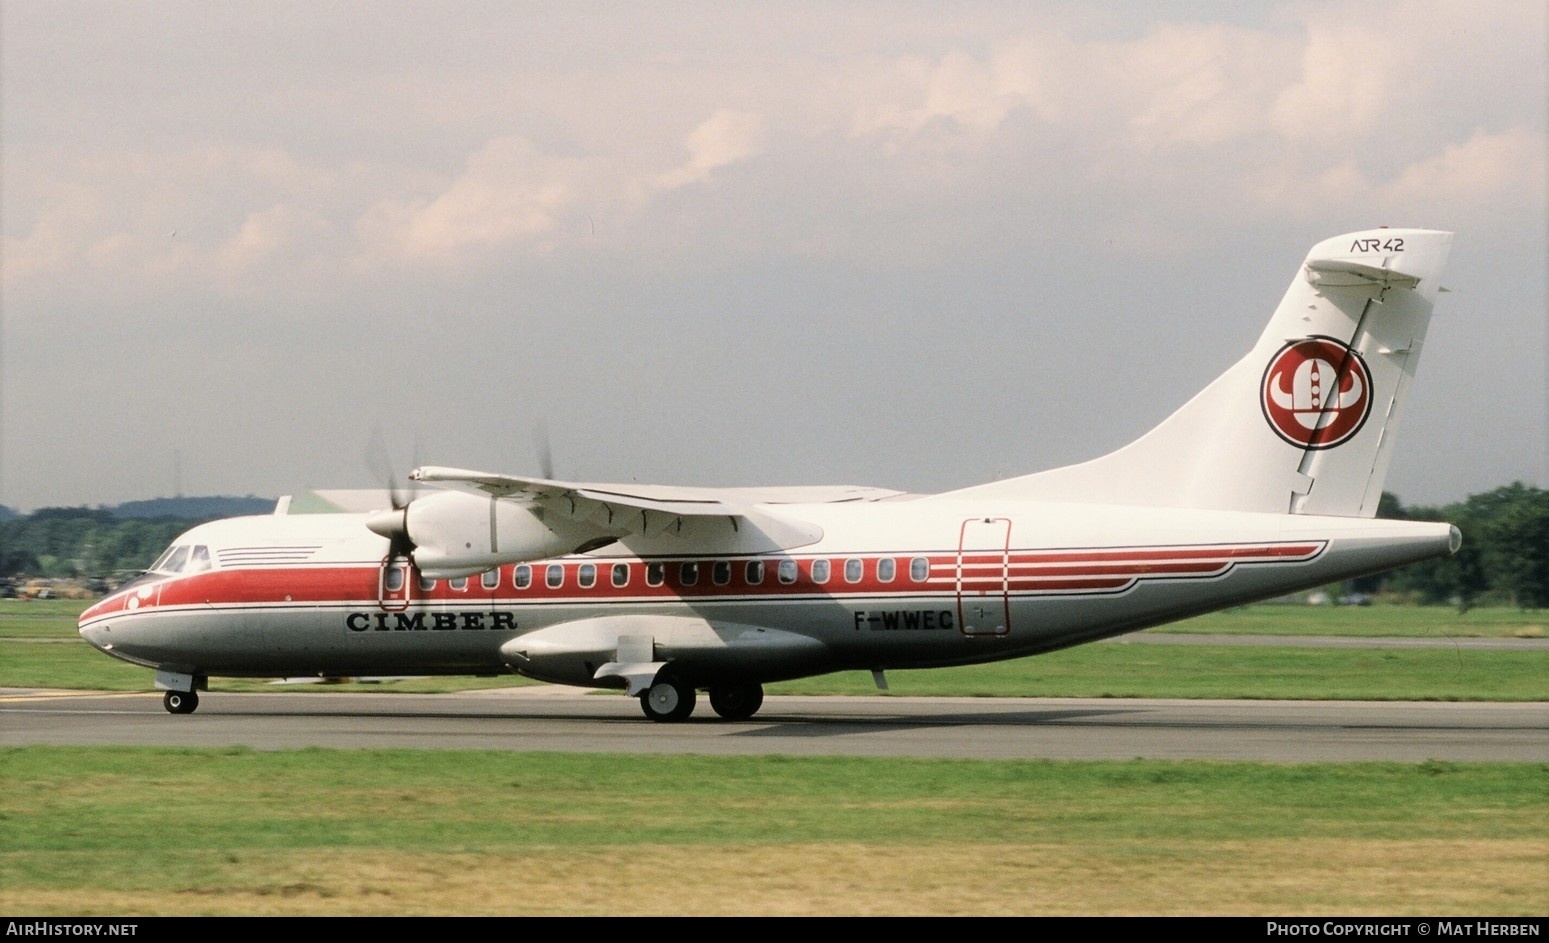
(1265, 483)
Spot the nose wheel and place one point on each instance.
(180, 702)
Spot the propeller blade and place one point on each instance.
(392, 524)
(545, 454)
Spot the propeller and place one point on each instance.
(392, 524)
(540, 434)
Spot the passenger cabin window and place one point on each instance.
(556, 576)
(392, 580)
(522, 578)
(720, 573)
(586, 576)
(852, 571)
(427, 584)
(787, 571)
(887, 568)
(688, 573)
(620, 574)
(489, 579)
(755, 572)
(919, 569)
(655, 574)
(819, 571)
(460, 584)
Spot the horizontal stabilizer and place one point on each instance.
(1335, 273)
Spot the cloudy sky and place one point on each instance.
(914, 245)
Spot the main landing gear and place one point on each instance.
(180, 702)
(736, 701)
(670, 700)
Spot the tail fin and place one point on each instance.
(1304, 424)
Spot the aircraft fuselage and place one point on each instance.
(935, 586)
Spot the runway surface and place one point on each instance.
(571, 720)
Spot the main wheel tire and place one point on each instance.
(736, 701)
(180, 702)
(668, 701)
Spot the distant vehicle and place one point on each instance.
(1265, 483)
(39, 589)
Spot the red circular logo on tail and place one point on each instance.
(1316, 393)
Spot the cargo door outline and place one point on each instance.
(983, 576)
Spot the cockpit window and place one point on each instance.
(176, 562)
(183, 558)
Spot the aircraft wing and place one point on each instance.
(683, 501)
(652, 510)
(712, 501)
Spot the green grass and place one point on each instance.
(219, 831)
(104, 831)
(99, 799)
(40, 618)
(1369, 621)
(1212, 671)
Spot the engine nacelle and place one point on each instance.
(457, 534)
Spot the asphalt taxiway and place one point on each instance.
(573, 720)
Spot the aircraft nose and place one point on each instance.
(95, 629)
(92, 611)
(89, 631)
(95, 635)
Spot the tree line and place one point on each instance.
(1504, 559)
(83, 542)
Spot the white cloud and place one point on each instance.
(363, 168)
(726, 137)
(54, 238)
(1038, 113)
(141, 221)
(508, 193)
(1349, 77)
(1486, 170)
(1182, 84)
(1198, 86)
(280, 233)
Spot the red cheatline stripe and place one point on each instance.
(1027, 571)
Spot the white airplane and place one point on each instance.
(1265, 483)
